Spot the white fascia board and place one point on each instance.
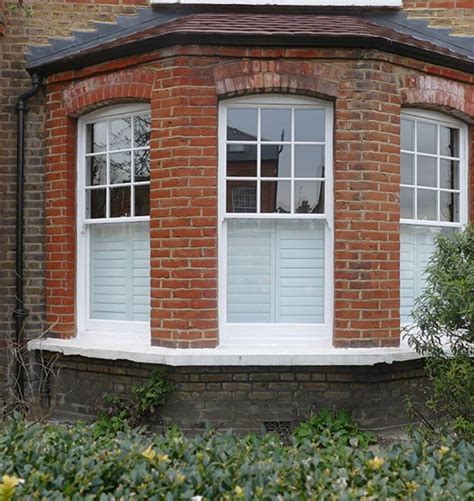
(300, 3)
(138, 349)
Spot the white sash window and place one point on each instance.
(433, 194)
(113, 220)
(275, 206)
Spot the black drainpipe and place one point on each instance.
(21, 312)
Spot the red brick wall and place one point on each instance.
(184, 85)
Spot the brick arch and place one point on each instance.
(278, 76)
(122, 86)
(438, 94)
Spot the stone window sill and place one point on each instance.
(138, 349)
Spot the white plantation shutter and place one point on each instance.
(275, 271)
(120, 271)
(417, 244)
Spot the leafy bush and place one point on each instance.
(115, 412)
(59, 462)
(336, 426)
(443, 329)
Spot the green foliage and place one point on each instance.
(151, 394)
(117, 413)
(443, 329)
(64, 462)
(338, 427)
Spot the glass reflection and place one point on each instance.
(309, 161)
(310, 125)
(120, 168)
(96, 137)
(96, 200)
(241, 196)
(276, 124)
(276, 160)
(449, 173)
(426, 204)
(142, 200)
(449, 207)
(241, 160)
(120, 134)
(449, 141)
(406, 203)
(120, 201)
(427, 138)
(142, 165)
(406, 169)
(427, 171)
(407, 130)
(275, 196)
(241, 124)
(141, 130)
(96, 170)
(309, 197)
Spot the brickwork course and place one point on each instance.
(186, 82)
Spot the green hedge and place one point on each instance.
(60, 462)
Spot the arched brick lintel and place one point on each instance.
(439, 94)
(295, 77)
(86, 95)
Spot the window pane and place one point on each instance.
(142, 165)
(407, 135)
(141, 131)
(406, 203)
(241, 196)
(96, 170)
(142, 200)
(310, 125)
(309, 197)
(449, 173)
(406, 168)
(309, 161)
(275, 196)
(120, 201)
(449, 141)
(120, 134)
(275, 271)
(276, 125)
(449, 206)
(241, 160)
(427, 140)
(120, 168)
(241, 124)
(427, 171)
(275, 160)
(427, 204)
(120, 271)
(416, 247)
(96, 137)
(96, 203)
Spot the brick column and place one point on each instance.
(366, 205)
(184, 207)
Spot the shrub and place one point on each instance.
(59, 462)
(337, 426)
(443, 329)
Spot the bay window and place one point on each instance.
(275, 197)
(433, 194)
(113, 220)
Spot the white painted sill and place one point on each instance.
(300, 3)
(138, 349)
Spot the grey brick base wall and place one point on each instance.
(244, 398)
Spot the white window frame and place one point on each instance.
(84, 323)
(262, 334)
(436, 118)
(301, 3)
